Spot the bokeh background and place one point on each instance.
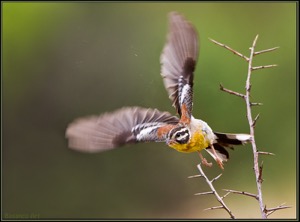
(66, 60)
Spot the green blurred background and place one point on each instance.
(66, 60)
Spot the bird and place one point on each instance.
(182, 132)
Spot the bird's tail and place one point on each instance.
(232, 139)
(227, 140)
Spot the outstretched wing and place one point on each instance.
(178, 61)
(126, 125)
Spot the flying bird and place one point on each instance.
(184, 133)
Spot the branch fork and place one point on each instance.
(258, 169)
(213, 191)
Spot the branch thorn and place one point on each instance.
(255, 120)
(264, 51)
(260, 179)
(230, 49)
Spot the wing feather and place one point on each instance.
(111, 130)
(178, 61)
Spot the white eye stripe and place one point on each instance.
(180, 134)
(184, 136)
(182, 130)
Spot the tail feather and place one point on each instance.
(227, 140)
(232, 139)
(220, 150)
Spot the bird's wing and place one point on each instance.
(178, 61)
(126, 125)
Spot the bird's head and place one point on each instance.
(177, 136)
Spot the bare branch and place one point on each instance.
(278, 208)
(264, 51)
(215, 192)
(204, 193)
(269, 211)
(194, 176)
(257, 169)
(230, 49)
(215, 208)
(263, 67)
(242, 193)
(231, 92)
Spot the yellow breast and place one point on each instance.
(197, 142)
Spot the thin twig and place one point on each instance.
(194, 176)
(277, 208)
(255, 120)
(266, 153)
(217, 177)
(225, 195)
(231, 92)
(256, 104)
(263, 67)
(230, 49)
(204, 193)
(215, 208)
(264, 51)
(269, 211)
(242, 193)
(210, 184)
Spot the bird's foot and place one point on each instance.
(204, 161)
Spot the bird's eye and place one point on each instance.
(182, 137)
(177, 135)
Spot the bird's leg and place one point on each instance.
(218, 159)
(203, 160)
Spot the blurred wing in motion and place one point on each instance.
(126, 125)
(178, 61)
